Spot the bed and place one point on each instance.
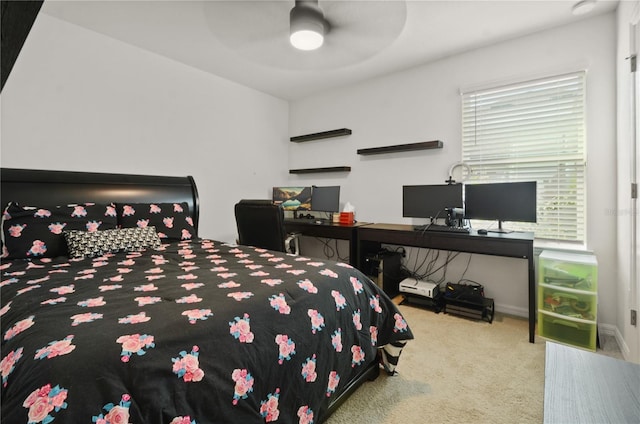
(120, 313)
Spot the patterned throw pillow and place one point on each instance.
(36, 232)
(172, 220)
(91, 244)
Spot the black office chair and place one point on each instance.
(261, 224)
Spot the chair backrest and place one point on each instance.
(261, 224)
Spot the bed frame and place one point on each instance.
(44, 187)
(32, 187)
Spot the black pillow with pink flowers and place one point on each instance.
(37, 231)
(172, 220)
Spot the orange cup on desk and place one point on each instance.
(346, 218)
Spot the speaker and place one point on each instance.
(383, 268)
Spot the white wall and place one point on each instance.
(423, 104)
(77, 100)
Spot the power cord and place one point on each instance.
(341, 258)
(329, 251)
(467, 267)
(429, 263)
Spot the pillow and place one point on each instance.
(36, 231)
(172, 220)
(91, 244)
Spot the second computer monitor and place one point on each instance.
(514, 202)
(325, 199)
(430, 201)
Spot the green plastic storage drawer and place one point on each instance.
(571, 331)
(571, 270)
(568, 302)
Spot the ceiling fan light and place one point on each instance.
(306, 40)
(307, 25)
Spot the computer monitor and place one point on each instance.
(430, 201)
(292, 198)
(325, 199)
(514, 202)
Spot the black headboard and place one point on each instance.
(40, 187)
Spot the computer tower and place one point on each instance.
(384, 269)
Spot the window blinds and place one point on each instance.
(529, 131)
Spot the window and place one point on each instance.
(533, 131)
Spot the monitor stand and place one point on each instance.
(500, 229)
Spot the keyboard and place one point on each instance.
(315, 221)
(441, 229)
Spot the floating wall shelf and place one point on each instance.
(437, 144)
(312, 170)
(321, 135)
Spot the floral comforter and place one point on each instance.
(196, 332)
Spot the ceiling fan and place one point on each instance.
(343, 32)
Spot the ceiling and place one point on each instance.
(247, 41)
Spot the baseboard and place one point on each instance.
(622, 345)
(607, 329)
(512, 310)
(626, 352)
(612, 330)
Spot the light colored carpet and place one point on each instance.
(456, 371)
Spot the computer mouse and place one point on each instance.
(482, 231)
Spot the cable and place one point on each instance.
(467, 281)
(429, 263)
(450, 257)
(327, 250)
(431, 222)
(340, 258)
(429, 266)
(467, 267)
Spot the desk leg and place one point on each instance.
(354, 259)
(532, 299)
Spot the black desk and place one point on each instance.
(512, 245)
(308, 227)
